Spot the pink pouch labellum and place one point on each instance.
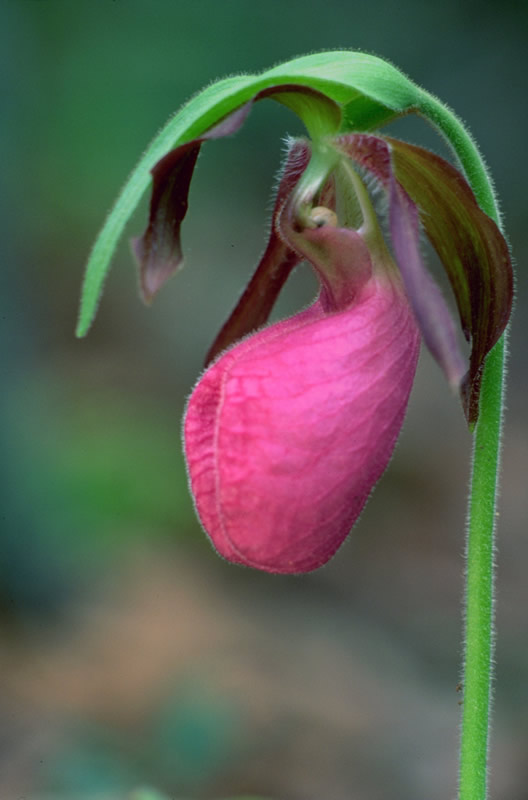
(287, 433)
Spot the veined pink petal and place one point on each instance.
(288, 431)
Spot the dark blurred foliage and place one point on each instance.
(131, 655)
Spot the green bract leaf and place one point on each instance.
(367, 90)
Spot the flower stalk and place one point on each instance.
(479, 599)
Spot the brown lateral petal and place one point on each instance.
(276, 264)
(429, 306)
(472, 250)
(158, 250)
(427, 301)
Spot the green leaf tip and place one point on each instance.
(329, 91)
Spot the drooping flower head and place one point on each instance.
(292, 424)
(287, 432)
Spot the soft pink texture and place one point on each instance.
(288, 431)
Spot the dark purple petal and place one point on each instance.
(433, 315)
(277, 262)
(472, 249)
(158, 250)
(424, 295)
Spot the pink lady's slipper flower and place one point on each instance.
(291, 425)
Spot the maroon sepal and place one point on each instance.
(158, 250)
(273, 269)
(462, 234)
(429, 306)
(469, 244)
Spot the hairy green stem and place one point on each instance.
(479, 634)
(479, 583)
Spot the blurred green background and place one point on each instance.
(131, 654)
